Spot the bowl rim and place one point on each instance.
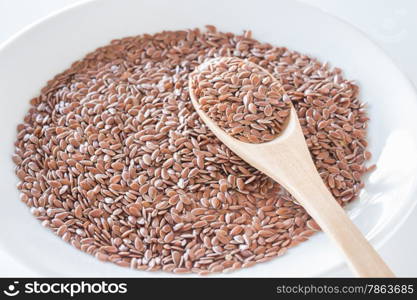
(338, 265)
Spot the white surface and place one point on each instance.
(389, 26)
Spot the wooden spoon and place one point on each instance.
(287, 160)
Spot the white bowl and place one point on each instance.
(36, 54)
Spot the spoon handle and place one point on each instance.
(320, 204)
(295, 170)
(290, 164)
